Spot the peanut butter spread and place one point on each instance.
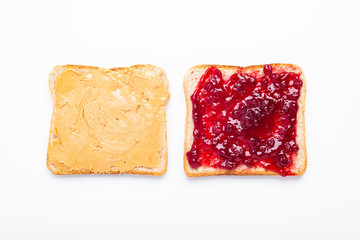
(108, 120)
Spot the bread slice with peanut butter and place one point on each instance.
(108, 121)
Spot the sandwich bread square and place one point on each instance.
(108, 121)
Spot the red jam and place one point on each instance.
(248, 119)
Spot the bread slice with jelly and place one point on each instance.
(108, 121)
(249, 120)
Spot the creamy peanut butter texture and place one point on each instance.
(108, 120)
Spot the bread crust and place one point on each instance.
(190, 82)
(138, 170)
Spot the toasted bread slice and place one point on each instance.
(191, 81)
(120, 129)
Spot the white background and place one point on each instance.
(322, 37)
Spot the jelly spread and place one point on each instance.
(107, 120)
(248, 119)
